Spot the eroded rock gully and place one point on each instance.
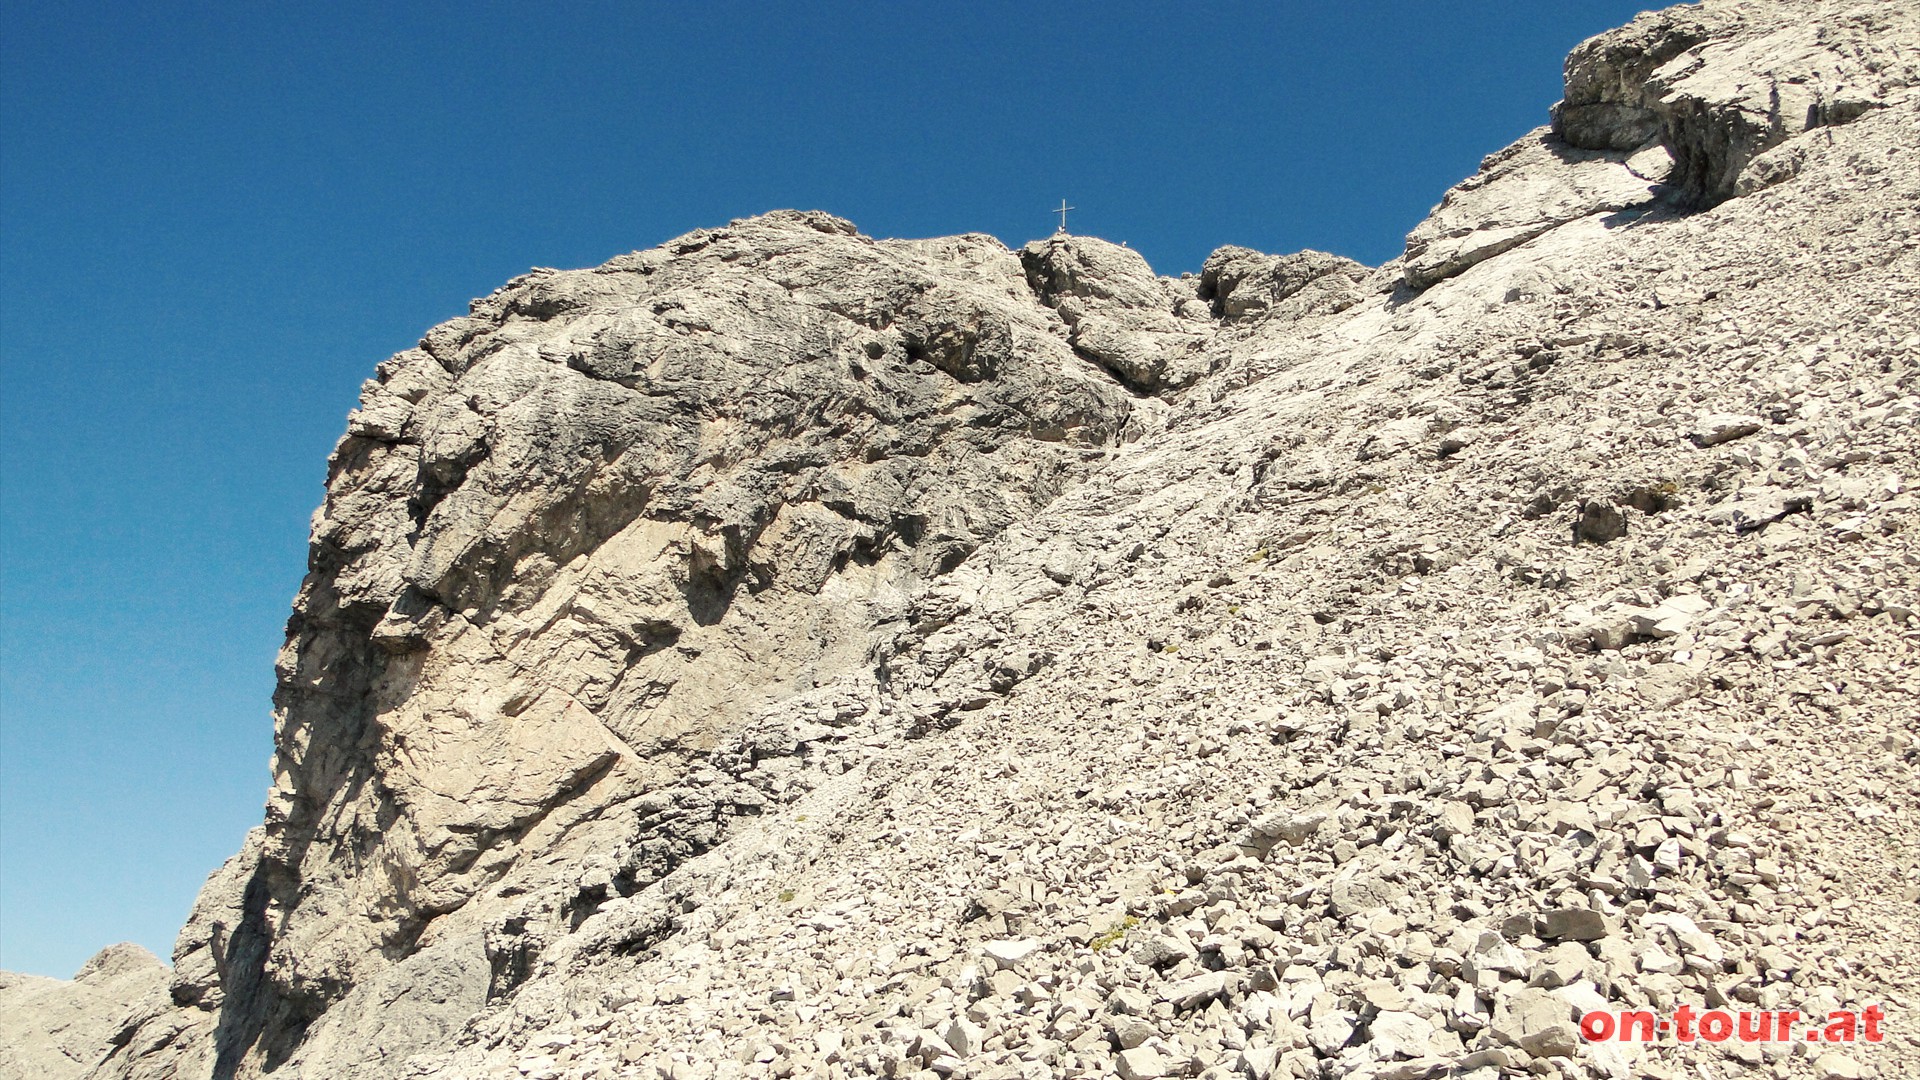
(789, 653)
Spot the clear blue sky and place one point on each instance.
(218, 218)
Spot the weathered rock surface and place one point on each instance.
(1720, 84)
(1684, 107)
(1243, 284)
(52, 1029)
(1532, 187)
(1149, 332)
(573, 544)
(785, 653)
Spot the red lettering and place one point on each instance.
(1873, 1014)
(1783, 1022)
(1683, 1023)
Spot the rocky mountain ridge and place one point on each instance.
(786, 653)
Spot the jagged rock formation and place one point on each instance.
(572, 545)
(784, 653)
(1720, 84)
(1150, 333)
(1687, 105)
(54, 1029)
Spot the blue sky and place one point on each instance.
(215, 219)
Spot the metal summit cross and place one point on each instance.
(1063, 214)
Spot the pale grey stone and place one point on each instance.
(1141, 1063)
(758, 633)
(58, 1028)
(1537, 1021)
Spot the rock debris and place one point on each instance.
(784, 653)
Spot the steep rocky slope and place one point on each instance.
(784, 653)
(577, 540)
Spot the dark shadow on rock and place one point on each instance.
(244, 993)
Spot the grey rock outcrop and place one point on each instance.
(56, 1029)
(788, 653)
(1243, 284)
(1531, 188)
(1684, 108)
(1148, 331)
(576, 541)
(1720, 84)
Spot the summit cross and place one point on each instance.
(1063, 214)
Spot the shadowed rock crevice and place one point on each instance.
(1720, 85)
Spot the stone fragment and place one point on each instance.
(965, 1037)
(1130, 1031)
(1668, 618)
(1293, 828)
(1010, 953)
(1352, 894)
(1752, 509)
(1141, 1063)
(1834, 1065)
(1572, 924)
(1537, 1021)
(1716, 428)
(1401, 1034)
(1492, 952)
(1456, 818)
(1467, 1012)
(1655, 959)
(1331, 1030)
(1258, 1062)
(1163, 950)
(1197, 990)
(1599, 521)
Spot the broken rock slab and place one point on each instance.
(1526, 190)
(1537, 1021)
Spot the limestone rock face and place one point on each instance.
(1532, 187)
(789, 653)
(573, 543)
(1243, 284)
(53, 1029)
(1684, 107)
(1718, 84)
(1147, 331)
